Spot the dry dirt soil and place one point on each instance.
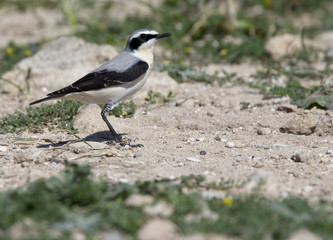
(203, 130)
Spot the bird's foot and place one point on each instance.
(129, 142)
(124, 142)
(118, 138)
(115, 139)
(137, 145)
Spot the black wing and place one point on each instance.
(103, 79)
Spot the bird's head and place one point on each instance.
(144, 39)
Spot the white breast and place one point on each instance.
(110, 94)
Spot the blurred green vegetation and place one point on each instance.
(199, 27)
(14, 53)
(57, 207)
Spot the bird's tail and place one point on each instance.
(43, 99)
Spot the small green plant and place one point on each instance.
(182, 73)
(156, 97)
(59, 115)
(245, 105)
(124, 110)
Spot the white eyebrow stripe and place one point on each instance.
(144, 32)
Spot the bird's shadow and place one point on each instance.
(105, 136)
(102, 136)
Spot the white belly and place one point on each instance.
(110, 94)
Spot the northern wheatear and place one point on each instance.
(116, 79)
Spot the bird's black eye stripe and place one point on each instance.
(135, 43)
(147, 37)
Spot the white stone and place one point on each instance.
(157, 229)
(3, 148)
(193, 159)
(160, 209)
(283, 45)
(230, 144)
(137, 200)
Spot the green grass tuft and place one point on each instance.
(183, 73)
(124, 110)
(156, 97)
(59, 115)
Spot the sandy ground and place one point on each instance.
(203, 130)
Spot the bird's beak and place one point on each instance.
(163, 35)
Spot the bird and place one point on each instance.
(117, 79)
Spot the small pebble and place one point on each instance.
(172, 178)
(264, 131)
(296, 158)
(210, 114)
(308, 188)
(330, 151)
(159, 209)
(136, 155)
(287, 108)
(217, 138)
(280, 145)
(234, 163)
(193, 159)
(203, 152)
(123, 180)
(264, 147)
(230, 145)
(79, 150)
(24, 164)
(179, 165)
(137, 200)
(3, 148)
(56, 160)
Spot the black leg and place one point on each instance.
(104, 114)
